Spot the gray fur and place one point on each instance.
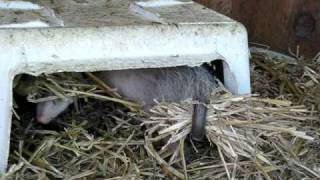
(144, 86)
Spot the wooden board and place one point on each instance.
(280, 24)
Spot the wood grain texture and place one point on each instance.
(272, 22)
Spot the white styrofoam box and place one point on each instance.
(91, 35)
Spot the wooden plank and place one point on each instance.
(281, 24)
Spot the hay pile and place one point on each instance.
(272, 134)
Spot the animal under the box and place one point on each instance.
(149, 85)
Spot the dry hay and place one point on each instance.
(272, 134)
